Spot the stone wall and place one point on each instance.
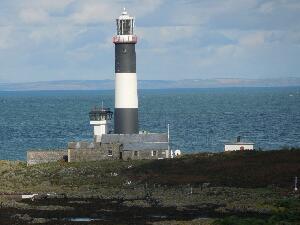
(87, 152)
(37, 157)
(145, 154)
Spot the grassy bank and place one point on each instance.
(250, 169)
(222, 188)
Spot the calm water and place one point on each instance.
(200, 119)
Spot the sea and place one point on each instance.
(200, 120)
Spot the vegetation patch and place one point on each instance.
(222, 188)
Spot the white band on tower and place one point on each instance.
(126, 90)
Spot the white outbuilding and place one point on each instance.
(239, 146)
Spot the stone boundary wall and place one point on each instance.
(38, 157)
(80, 152)
(145, 154)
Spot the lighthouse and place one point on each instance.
(126, 98)
(126, 142)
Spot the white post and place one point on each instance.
(170, 153)
(296, 183)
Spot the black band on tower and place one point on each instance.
(126, 121)
(125, 58)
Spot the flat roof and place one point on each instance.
(240, 143)
(134, 138)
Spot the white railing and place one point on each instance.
(125, 39)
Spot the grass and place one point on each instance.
(253, 169)
(249, 169)
(238, 187)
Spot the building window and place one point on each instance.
(154, 153)
(109, 152)
(136, 153)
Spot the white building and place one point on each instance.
(239, 146)
(100, 118)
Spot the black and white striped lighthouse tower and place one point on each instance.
(126, 98)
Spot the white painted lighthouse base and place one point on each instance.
(100, 127)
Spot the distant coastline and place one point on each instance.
(149, 84)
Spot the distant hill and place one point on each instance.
(149, 84)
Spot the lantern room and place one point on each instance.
(125, 24)
(100, 114)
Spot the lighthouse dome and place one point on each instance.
(125, 16)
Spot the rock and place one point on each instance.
(40, 220)
(23, 217)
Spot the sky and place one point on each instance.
(44, 40)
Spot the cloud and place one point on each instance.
(293, 37)
(88, 51)
(5, 37)
(190, 37)
(245, 42)
(161, 36)
(94, 12)
(254, 40)
(141, 8)
(46, 5)
(60, 34)
(34, 16)
(52, 5)
(80, 55)
(203, 12)
(267, 7)
(293, 5)
(37, 12)
(105, 11)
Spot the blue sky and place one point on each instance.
(43, 40)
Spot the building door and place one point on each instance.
(121, 155)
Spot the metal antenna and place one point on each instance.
(124, 12)
(170, 153)
(102, 105)
(168, 132)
